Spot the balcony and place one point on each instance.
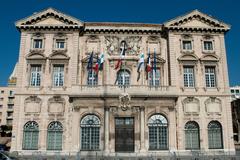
(115, 90)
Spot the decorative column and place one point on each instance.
(106, 131)
(142, 130)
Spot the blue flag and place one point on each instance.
(90, 62)
(154, 61)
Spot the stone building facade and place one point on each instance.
(182, 104)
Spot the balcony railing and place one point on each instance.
(131, 89)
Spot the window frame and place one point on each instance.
(31, 131)
(127, 75)
(38, 73)
(158, 123)
(191, 131)
(92, 124)
(55, 132)
(187, 50)
(188, 76)
(152, 80)
(214, 136)
(37, 37)
(92, 78)
(63, 76)
(206, 50)
(209, 75)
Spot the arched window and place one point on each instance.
(123, 78)
(54, 136)
(158, 132)
(92, 79)
(215, 135)
(192, 135)
(30, 135)
(90, 132)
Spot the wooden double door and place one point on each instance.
(124, 134)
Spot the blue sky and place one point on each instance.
(147, 11)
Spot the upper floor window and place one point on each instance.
(123, 78)
(35, 77)
(92, 79)
(187, 45)
(154, 78)
(208, 46)
(188, 76)
(58, 75)
(210, 76)
(60, 44)
(37, 43)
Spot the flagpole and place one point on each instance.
(124, 69)
(154, 64)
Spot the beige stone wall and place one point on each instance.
(69, 104)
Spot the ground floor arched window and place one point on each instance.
(90, 132)
(158, 132)
(215, 140)
(192, 136)
(30, 135)
(54, 136)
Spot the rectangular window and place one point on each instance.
(60, 44)
(154, 78)
(35, 79)
(208, 45)
(187, 45)
(188, 76)
(37, 43)
(92, 78)
(210, 77)
(58, 75)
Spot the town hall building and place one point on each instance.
(176, 101)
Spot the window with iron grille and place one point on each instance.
(90, 132)
(58, 75)
(188, 76)
(192, 136)
(215, 140)
(158, 132)
(210, 76)
(187, 45)
(54, 136)
(92, 78)
(123, 78)
(30, 136)
(154, 78)
(35, 79)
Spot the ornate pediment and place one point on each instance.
(188, 57)
(36, 56)
(210, 57)
(196, 20)
(49, 18)
(59, 55)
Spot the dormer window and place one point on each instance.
(207, 45)
(60, 44)
(187, 45)
(37, 43)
